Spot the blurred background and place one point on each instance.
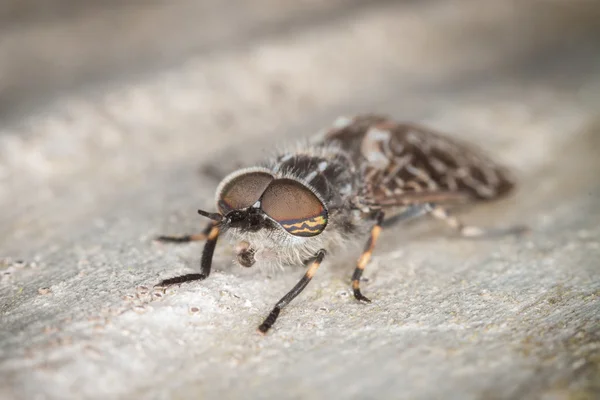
(57, 46)
(117, 118)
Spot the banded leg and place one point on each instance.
(205, 263)
(469, 230)
(365, 258)
(187, 238)
(285, 300)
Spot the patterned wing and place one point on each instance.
(409, 164)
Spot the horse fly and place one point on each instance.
(342, 187)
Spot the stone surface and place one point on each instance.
(97, 159)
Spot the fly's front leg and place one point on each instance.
(296, 290)
(205, 264)
(472, 231)
(366, 257)
(187, 238)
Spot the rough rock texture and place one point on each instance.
(116, 123)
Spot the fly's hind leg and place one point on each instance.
(366, 257)
(469, 230)
(411, 212)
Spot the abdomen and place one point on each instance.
(399, 158)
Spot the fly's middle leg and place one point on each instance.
(365, 258)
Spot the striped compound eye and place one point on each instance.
(294, 207)
(242, 191)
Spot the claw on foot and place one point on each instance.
(360, 297)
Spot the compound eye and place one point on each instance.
(243, 191)
(294, 207)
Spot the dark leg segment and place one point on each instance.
(187, 238)
(205, 264)
(365, 258)
(412, 212)
(472, 231)
(312, 269)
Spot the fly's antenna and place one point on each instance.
(214, 216)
